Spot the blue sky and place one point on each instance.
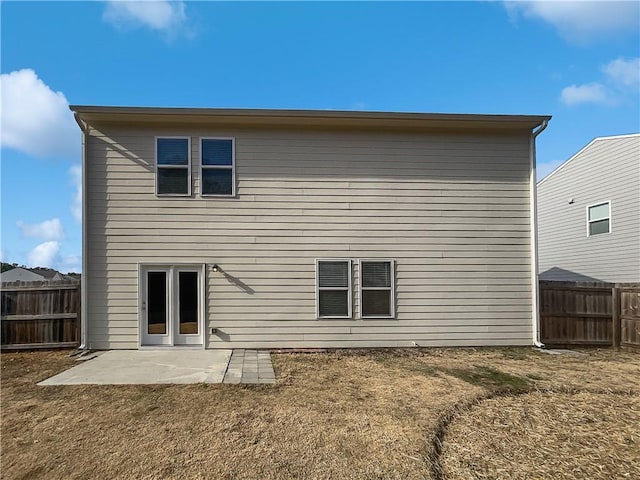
(577, 61)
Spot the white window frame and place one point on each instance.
(392, 306)
(589, 221)
(349, 288)
(188, 166)
(219, 167)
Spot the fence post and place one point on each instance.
(615, 315)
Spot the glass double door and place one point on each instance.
(171, 306)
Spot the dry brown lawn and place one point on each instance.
(439, 413)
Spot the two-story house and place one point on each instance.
(589, 214)
(215, 228)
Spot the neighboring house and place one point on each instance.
(20, 274)
(53, 275)
(589, 214)
(35, 275)
(273, 229)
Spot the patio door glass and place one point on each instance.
(188, 307)
(157, 310)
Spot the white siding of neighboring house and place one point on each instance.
(607, 169)
(451, 209)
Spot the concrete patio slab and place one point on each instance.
(119, 367)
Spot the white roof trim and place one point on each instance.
(560, 167)
(298, 118)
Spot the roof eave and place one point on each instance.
(318, 118)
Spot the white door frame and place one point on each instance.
(163, 339)
(172, 338)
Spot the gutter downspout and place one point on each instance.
(83, 279)
(534, 234)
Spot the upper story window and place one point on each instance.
(173, 166)
(334, 288)
(218, 166)
(599, 218)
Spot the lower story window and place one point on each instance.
(334, 288)
(376, 288)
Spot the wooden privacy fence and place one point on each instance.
(626, 318)
(40, 314)
(590, 313)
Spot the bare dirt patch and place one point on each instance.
(344, 414)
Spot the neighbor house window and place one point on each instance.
(334, 288)
(218, 166)
(376, 288)
(173, 168)
(599, 218)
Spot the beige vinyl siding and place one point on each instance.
(452, 210)
(606, 170)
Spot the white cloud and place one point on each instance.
(35, 119)
(76, 205)
(47, 230)
(620, 84)
(589, 93)
(161, 15)
(624, 72)
(581, 21)
(44, 255)
(544, 169)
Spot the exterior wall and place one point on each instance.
(451, 209)
(608, 169)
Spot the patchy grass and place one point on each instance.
(339, 415)
(479, 375)
(489, 378)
